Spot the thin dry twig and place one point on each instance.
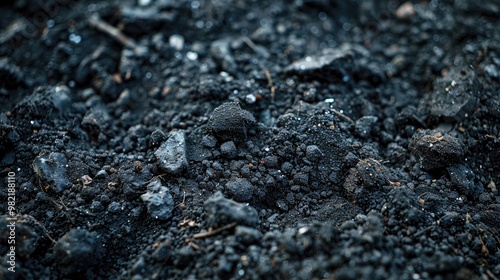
(249, 43)
(270, 83)
(213, 232)
(96, 22)
(15, 27)
(193, 244)
(45, 231)
(342, 115)
(491, 275)
(182, 205)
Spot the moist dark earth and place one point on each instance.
(217, 139)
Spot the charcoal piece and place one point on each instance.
(222, 211)
(172, 153)
(158, 200)
(271, 161)
(230, 122)
(463, 179)
(350, 160)
(240, 189)
(364, 126)
(286, 167)
(96, 120)
(77, 253)
(157, 137)
(196, 148)
(436, 150)
(456, 96)
(52, 168)
(228, 149)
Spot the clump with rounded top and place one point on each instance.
(230, 122)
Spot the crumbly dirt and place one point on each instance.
(219, 139)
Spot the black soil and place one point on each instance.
(219, 139)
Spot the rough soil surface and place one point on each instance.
(218, 139)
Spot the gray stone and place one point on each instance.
(61, 99)
(492, 71)
(342, 64)
(52, 168)
(318, 62)
(101, 174)
(209, 141)
(158, 200)
(222, 211)
(228, 149)
(172, 153)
